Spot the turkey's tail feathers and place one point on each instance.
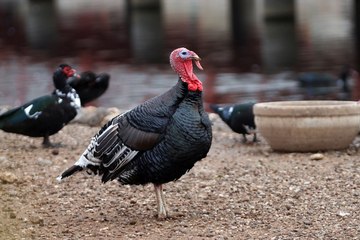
(81, 164)
(70, 171)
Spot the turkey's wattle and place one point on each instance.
(157, 141)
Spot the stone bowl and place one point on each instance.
(308, 126)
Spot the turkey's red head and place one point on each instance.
(181, 60)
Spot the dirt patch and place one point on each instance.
(240, 191)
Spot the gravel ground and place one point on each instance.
(240, 191)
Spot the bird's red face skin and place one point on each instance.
(69, 72)
(181, 61)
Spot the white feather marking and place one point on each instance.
(84, 162)
(75, 99)
(27, 112)
(72, 96)
(87, 158)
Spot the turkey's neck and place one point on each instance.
(181, 91)
(173, 96)
(194, 98)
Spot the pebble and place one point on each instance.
(7, 177)
(343, 214)
(95, 116)
(55, 152)
(132, 222)
(317, 156)
(37, 220)
(12, 215)
(91, 116)
(307, 222)
(111, 113)
(104, 229)
(3, 159)
(44, 162)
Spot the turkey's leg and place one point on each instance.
(162, 212)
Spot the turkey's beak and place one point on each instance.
(197, 60)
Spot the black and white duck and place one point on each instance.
(239, 117)
(46, 115)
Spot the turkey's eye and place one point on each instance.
(184, 54)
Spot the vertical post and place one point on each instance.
(40, 24)
(357, 31)
(279, 46)
(356, 77)
(245, 30)
(146, 31)
(279, 9)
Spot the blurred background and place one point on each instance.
(262, 50)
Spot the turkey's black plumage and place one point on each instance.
(46, 115)
(89, 85)
(239, 117)
(156, 142)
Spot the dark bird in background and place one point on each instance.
(90, 86)
(157, 141)
(344, 75)
(46, 115)
(239, 117)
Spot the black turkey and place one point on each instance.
(157, 141)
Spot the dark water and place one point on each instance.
(251, 50)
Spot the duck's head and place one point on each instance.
(61, 74)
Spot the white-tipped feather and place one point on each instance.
(125, 161)
(84, 162)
